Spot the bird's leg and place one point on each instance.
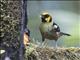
(56, 44)
(44, 43)
(43, 40)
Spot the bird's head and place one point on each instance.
(46, 18)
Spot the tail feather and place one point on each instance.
(65, 34)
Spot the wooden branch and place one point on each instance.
(23, 26)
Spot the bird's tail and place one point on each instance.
(65, 34)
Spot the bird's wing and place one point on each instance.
(56, 27)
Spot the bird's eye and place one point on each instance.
(46, 15)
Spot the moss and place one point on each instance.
(48, 53)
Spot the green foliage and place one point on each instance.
(74, 39)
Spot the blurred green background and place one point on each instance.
(65, 13)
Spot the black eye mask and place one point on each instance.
(43, 20)
(44, 17)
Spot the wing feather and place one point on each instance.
(56, 27)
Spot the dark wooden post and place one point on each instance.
(23, 26)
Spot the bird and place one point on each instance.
(49, 29)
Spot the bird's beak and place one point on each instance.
(40, 16)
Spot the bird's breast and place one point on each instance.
(45, 27)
